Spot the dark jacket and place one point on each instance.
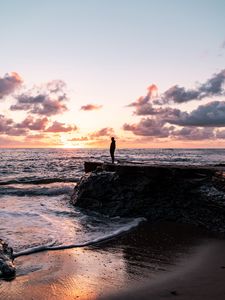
(113, 146)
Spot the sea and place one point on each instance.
(36, 187)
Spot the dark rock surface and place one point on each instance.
(191, 195)
(7, 268)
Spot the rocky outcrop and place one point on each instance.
(7, 268)
(184, 194)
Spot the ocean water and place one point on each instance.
(36, 186)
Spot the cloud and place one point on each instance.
(149, 127)
(140, 101)
(199, 124)
(17, 132)
(29, 124)
(194, 133)
(5, 123)
(79, 139)
(162, 121)
(7, 126)
(152, 92)
(9, 83)
(145, 109)
(57, 87)
(179, 95)
(161, 124)
(148, 109)
(90, 107)
(211, 114)
(107, 131)
(143, 106)
(60, 127)
(220, 134)
(154, 129)
(9, 142)
(28, 141)
(214, 86)
(33, 124)
(49, 107)
(35, 136)
(48, 100)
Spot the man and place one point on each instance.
(112, 148)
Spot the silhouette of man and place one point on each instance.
(112, 148)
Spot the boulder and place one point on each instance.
(7, 268)
(188, 195)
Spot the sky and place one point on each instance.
(74, 73)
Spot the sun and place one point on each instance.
(66, 143)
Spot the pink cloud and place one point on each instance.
(90, 107)
(149, 127)
(9, 83)
(79, 139)
(33, 124)
(35, 136)
(47, 100)
(107, 131)
(60, 127)
(8, 127)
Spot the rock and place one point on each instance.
(174, 293)
(7, 268)
(89, 167)
(182, 194)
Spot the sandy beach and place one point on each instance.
(151, 262)
(202, 277)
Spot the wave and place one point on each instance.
(181, 159)
(42, 191)
(104, 238)
(26, 180)
(18, 214)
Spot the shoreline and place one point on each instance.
(153, 253)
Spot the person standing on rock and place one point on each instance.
(112, 148)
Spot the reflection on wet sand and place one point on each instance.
(89, 273)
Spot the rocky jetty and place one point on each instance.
(7, 268)
(193, 195)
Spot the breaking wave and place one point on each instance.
(36, 191)
(93, 242)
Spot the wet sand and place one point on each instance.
(152, 262)
(202, 277)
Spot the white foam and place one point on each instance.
(134, 223)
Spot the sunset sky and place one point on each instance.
(74, 73)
